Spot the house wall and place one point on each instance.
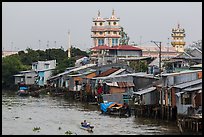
(19, 79)
(47, 75)
(116, 90)
(116, 97)
(71, 83)
(177, 79)
(41, 64)
(142, 82)
(181, 109)
(30, 78)
(198, 99)
(41, 78)
(150, 98)
(129, 53)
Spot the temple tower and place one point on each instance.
(113, 30)
(106, 31)
(98, 31)
(178, 35)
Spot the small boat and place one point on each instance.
(86, 127)
(22, 93)
(23, 90)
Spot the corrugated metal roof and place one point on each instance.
(139, 74)
(108, 72)
(187, 84)
(121, 84)
(193, 89)
(180, 73)
(116, 72)
(18, 75)
(125, 84)
(145, 91)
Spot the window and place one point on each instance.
(108, 32)
(186, 99)
(114, 23)
(34, 66)
(95, 23)
(114, 32)
(47, 66)
(101, 23)
(101, 42)
(109, 23)
(100, 33)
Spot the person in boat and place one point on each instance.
(85, 124)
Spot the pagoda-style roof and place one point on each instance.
(98, 19)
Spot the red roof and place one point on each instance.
(126, 47)
(120, 47)
(101, 47)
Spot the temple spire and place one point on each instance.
(178, 25)
(113, 12)
(99, 13)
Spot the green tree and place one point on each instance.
(11, 65)
(65, 63)
(139, 66)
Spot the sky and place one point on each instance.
(41, 25)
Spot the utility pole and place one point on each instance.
(159, 46)
(168, 49)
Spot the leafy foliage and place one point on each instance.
(11, 65)
(140, 66)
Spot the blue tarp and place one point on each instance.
(23, 88)
(104, 106)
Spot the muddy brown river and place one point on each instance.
(56, 115)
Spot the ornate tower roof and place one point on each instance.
(98, 19)
(113, 17)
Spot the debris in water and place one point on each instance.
(59, 128)
(36, 129)
(29, 118)
(68, 132)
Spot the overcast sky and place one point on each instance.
(25, 23)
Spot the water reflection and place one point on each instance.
(56, 115)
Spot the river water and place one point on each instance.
(56, 115)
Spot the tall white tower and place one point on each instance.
(69, 46)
